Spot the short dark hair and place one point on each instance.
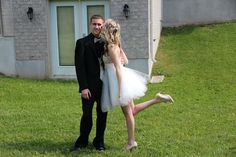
(96, 17)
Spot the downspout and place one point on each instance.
(151, 40)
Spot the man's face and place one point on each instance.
(96, 26)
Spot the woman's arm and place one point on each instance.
(114, 53)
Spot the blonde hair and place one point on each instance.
(112, 32)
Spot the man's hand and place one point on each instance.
(123, 57)
(86, 94)
(122, 61)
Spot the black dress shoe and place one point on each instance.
(77, 147)
(99, 146)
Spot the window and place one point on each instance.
(66, 34)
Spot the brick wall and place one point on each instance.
(7, 18)
(134, 30)
(31, 37)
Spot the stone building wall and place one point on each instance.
(134, 30)
(182, 12)
(31, 37)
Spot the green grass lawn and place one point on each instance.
(41, 118)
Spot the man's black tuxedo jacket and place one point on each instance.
(87, 65)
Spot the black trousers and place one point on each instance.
(86, 122)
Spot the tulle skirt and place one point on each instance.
(134, 86)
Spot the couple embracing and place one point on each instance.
(102, 78)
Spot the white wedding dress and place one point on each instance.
(133, 86)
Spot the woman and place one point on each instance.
(120, 84)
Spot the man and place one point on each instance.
(88, 53)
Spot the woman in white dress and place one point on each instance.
(122, 85)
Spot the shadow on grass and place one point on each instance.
(233, 151)
(185, 29)
(182, 30)
(44, 147)
(41, 146)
